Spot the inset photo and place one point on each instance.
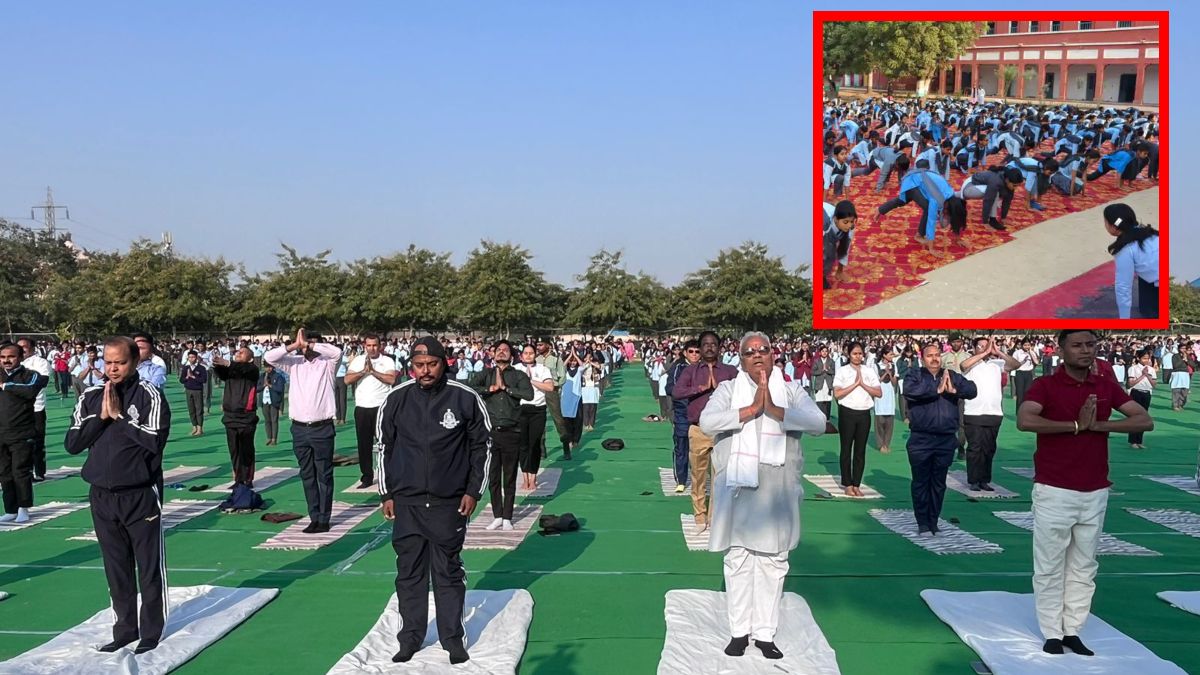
(1008, 172)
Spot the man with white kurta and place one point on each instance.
(756, 421)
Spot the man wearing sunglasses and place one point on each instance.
(695, 385)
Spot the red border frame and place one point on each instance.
(820, 322)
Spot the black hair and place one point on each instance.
(1122, 217)
(692, 344)
(852, 344)
(844, 209)
(956, 212)
(975, 342)
(703, 334)
(1013, 176)
(1050, 164)
(922, 164)
(947, 145)
(12, 345)
(1067, 332)
(145, 336)
(370, 336)
(126, 343)
(902, 163)
(839, 149)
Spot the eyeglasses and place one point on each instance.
(764, 350)
(693, 351)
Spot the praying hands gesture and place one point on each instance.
(110, 403)
(498, 385)
(764, 402)
(300, 343)
(946, 386)
(1087, 414)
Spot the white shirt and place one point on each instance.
(1134, 260)
(858, 399)
(1025, 359)
(1136, 371)
(537, 373)
(987, 377)
(370, 392)
(41, 366)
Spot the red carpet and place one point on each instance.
(887, 261)
(1067, 297)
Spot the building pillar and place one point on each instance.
(1019, 89)
(1139, 89)
(975, 76)
(1066, 68)
(1041, 79)
(1099, 82)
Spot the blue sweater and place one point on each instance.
(928, 411)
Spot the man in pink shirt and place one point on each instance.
(310, 365)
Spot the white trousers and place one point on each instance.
(1066, 532)
(753, 590)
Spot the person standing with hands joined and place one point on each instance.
(310, 365)
(433, 438)
(124, 425)
(238, 405)
(933, 393)
(1142, 376)
(757, 420)
(375, 374)
(855, 387)
(502, 388)
(1069, 411)
(983, 414)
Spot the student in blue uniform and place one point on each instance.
(937, 202)
(1070, 179)
(838, 236)
(837, 172)
(995, 187)
(1128, 164)
(1037, 174)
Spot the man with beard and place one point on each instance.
(19, 388)
(38, 364)
(1069, 411)
(695, 385)
(547, 357)
(502, 388)
(433, 436)
(238, 405)
(757, 420)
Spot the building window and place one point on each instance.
(991, 28)
(1055, 26)
(1033, 26)
(1124, 24)
(1012, 26)
(1085, 25)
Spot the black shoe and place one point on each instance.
(115, 645)
(566, 454)
(768, 649)
(986, 488)
(737, 646)
(934, 529)
(1053, 646)
(312, 528)
(145, 646)
(322, 527)
(38, 479)
(458, 653)
(1076, 645)
(404, 655)
(996, 224)
(364, 484)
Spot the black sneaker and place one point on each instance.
(145, 646)
(986, 488)
(39, 479)
(364, 484)
(115, 645)
(1076, 645)
(458, 653)
(996, 225)
(768, 649)
(737, 646)
(312, 528)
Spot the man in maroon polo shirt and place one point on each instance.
(1069, 411)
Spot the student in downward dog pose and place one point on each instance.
(938, 204)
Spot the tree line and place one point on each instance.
(46, 288)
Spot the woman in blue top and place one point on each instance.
(1136, 253)
(937, 202)
(570, 397)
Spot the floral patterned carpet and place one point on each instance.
(886, 260)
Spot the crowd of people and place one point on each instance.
(948, 152)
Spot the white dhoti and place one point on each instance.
(1066, 532)
(753, 590)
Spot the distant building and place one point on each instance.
(1072, 61)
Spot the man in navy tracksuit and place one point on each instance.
(691, 355)
(124, 425)
(19, 388)
(932, 393)
(433, 439)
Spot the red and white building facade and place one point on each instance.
(1102, 62)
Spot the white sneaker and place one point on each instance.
(495, 524)
(22, 515)
(507, 525)
(8, 518)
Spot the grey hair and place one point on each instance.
(750, 336)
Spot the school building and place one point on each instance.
(1076, 61)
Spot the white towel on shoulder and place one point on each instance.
(761, 440)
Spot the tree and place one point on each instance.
(920, 48)
(414, 288)
(1184, 304)
(499, 289)
(33, 259)
(611, 296)
(850, 47)
(307, 291)
(743, 288)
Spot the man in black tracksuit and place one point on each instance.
(19, 387)
(238, 405)
(124, 425)
(433, 439)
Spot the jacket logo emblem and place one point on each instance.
(449, 421)
(133, 414)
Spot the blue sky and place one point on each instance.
(666, 129)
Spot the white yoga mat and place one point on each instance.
(545, 486)
(1181, 521)
(1002, 628)
(1022, 471)
(342, 519)
(666, 480)
(496, 623)
(692, 536)
(199, 616)
(44, 512)
(1185, 483)
(698, 630)
(832, 485)
(174, 513)
(180, 474)
(1109, 545)
(957, 481)
(950, 540)
(1188, 601)
(525, 518)
(264, 479)
(372, 489)
(61, 472)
